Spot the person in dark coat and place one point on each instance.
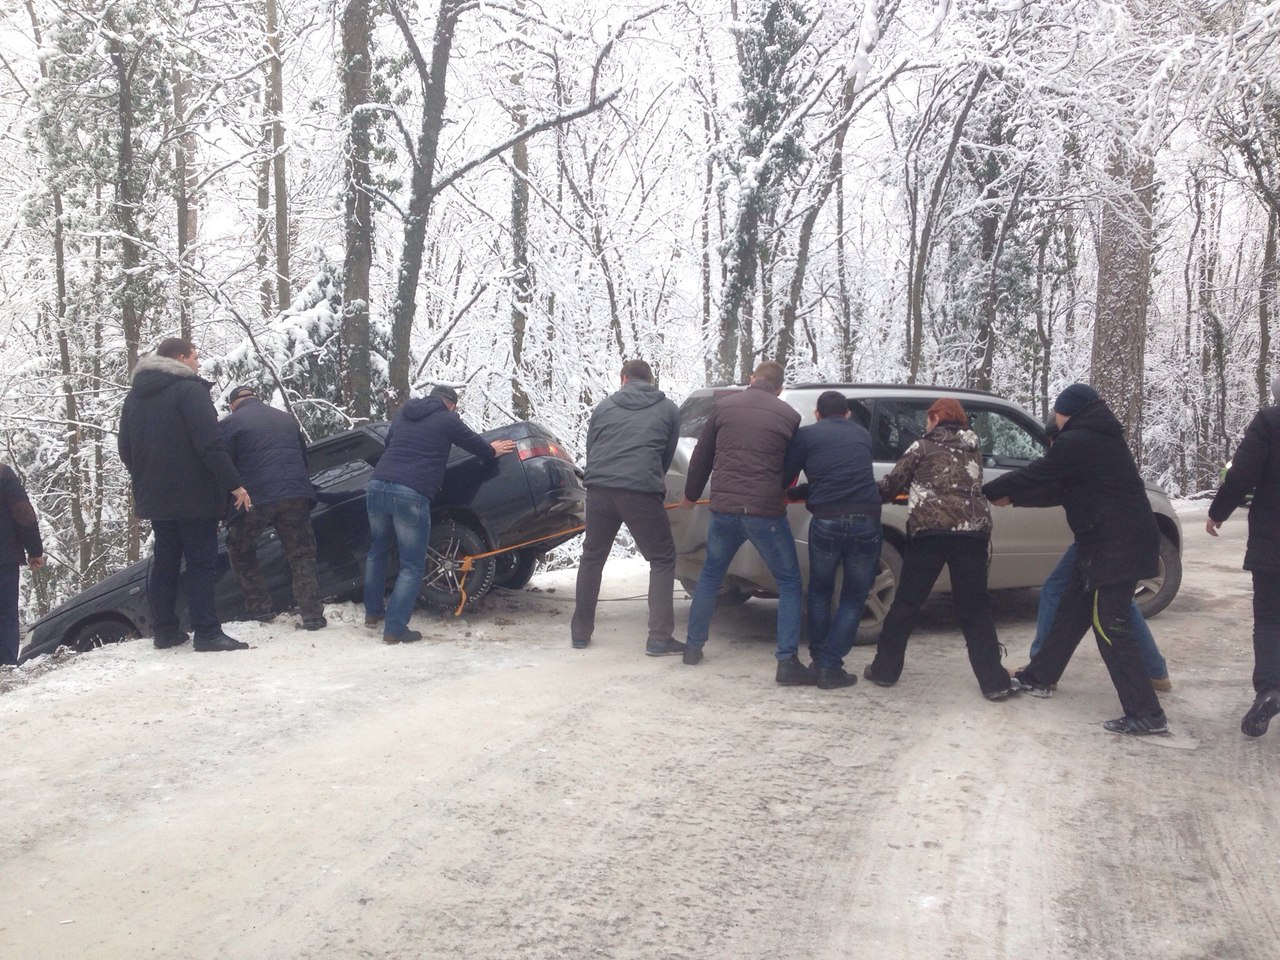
(19, 544)
(844, 533)
(631, 440)
(409, 473)
(746, 439)
(182, 479)
(1256, 468)
(1117, 541)
(269, 451)
(948, 523)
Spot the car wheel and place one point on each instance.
(97, 633)
(442, 584)
(1155, 594)
(883, 589)
(514, 569)
(729, 595)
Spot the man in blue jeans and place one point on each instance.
(1062, 577)
(408, 475)
(844, 534)
(746, 439)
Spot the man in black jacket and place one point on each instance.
(19, 544)
(1118, 544)
(269, 451)
(844, 534)
(408, 475)
(630, 442)
(182, 477)
(1256, 467)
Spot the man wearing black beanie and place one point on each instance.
(1090, 467)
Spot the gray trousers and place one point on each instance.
(646, 519)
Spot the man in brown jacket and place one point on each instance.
(746, 440)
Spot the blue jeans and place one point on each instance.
(400, 514)
(1051, 594)
(852, 544)
(771, 536)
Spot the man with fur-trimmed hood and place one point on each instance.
(182, 481)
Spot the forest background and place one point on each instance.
(346, 201)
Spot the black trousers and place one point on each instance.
(1266, 630)
(646, 518)
(196, 541)
(966, 560)
(1106, 610)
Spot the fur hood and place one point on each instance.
(155, 373)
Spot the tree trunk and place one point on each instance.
(266, 294)
(275, 109)
(1125, 237)
(1269, 288)
(357, 60)
(521, 287)
(184, 150)
(125, 207)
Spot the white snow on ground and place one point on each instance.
(491, 793)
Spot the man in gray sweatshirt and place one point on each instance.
(630, 442)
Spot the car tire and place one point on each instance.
(1155, 594)
(514, 569)
(98, 633)
(883, 589)
(729, 595)
(442, 582)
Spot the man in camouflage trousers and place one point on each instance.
(269, 451)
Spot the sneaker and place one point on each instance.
(793, 673)
(373, 619)
(1161, 684)
(664, 648)
(219, 643)
(692, 654)
(1033, 687)
(409, 636)
(314, 623)
(870, 674)
(833, 678)
(1138, 726)
(1264, 708)
(172, 640)
(581, 644)
(997, 695)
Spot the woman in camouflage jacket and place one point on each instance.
(948, 522)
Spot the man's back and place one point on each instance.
(745, 441)
(267, 448)
(835, 454)
(632, 439)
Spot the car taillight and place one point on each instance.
(531, 447)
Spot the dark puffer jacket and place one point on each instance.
(745, 440)
(418, 445)
(942, 474)
(632, 439)
(1256, 467)
(268, 449)
(19, 530)
(170, 444)
(1104, 497)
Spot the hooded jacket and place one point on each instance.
(942, 474)
(745, 440)
(267, 447)
(631, 439)
(1104, 497)
(170, 444)
(418, 445)
(1256, 467)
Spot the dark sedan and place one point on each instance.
(531, 501)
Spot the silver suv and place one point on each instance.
(1026, 544)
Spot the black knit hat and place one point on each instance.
(1074, 399)
(240, 392)
(447, 393)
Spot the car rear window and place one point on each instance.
(695, 411)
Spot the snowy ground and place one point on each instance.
(491, 793)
